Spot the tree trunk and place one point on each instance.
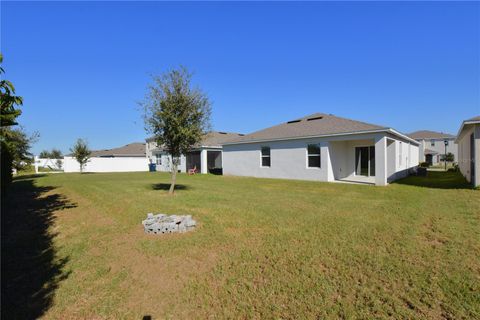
(174, 178)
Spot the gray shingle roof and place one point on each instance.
(313, 125)
(136, 149)
(217, 138)
(426, 134)
(212, 139)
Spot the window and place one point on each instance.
(177, 161)
(158, 159)
(313, 156)
(265, 156)
(432, 143)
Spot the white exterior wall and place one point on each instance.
(289, 158)
(99, 164)
(166, 159)
(464, 153)
(166, 162)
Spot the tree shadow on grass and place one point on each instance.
(31, 268)
(30, 176)
(166, 186)
(437, 180)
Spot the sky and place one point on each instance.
(82, 67)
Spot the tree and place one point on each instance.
(19, 144)
(53, 154)
(176, 114)
(45, 154)
(9, 100)
(15, 144)
(450, 157)
(81, 153)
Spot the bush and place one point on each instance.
(424, 164)
(422, 171)
(455, 168)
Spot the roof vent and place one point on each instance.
(315, 118)
(294, 121)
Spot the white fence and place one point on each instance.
(53, 164)
(99, 164)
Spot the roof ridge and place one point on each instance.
(367, 123)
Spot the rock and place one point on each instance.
(162, 223)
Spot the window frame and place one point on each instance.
(308, 155)
(158, 159)
(269, 156)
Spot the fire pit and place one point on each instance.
(162, 223)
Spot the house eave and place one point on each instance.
(464, 124)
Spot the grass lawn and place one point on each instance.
(73, 247)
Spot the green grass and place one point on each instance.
(263, 248)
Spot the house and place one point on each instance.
(130, 157)
(468, 140)
(323, 147)
(205, 156)
(432, 145)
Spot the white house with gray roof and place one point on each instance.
(323, 147)
(432, 145)
(468, 140)
(128, 158)
(205, 157)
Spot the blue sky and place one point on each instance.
(82, 67)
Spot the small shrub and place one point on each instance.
(424, 164)
(422, 171)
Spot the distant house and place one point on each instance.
(131, 157)
(468, 140)
(205, 156)
(432, 145)
(323, 147)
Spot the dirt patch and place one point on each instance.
(431, 233)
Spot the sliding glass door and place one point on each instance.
(365, 161)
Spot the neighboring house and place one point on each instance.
(468, 140)
(323, 147)
(205, 156)
(130, 157)
(432, 145)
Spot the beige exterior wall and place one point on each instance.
(465, 153)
